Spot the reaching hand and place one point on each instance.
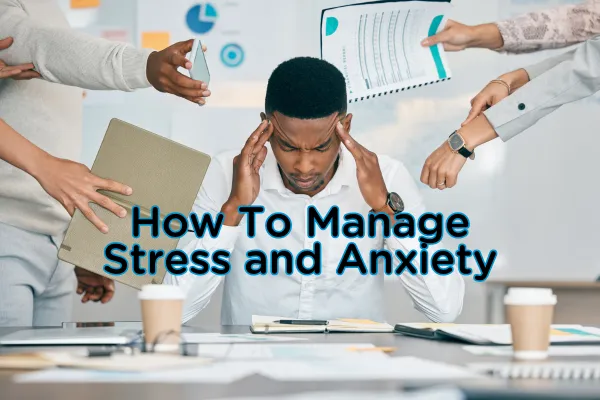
(456, 37)
(489, 96)
(246, 179)
(368, 173)
(74, 186)
(442, 167)
(16, 72)
(93, 286)
(163, 75)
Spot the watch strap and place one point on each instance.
(464, 152)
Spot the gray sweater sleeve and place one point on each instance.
(68, 56)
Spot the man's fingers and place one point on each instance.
(425, 173)
(6, 73)
(351, 144)
(264, 136)
(6, 43)
(259, 159)
(249, 145)
(112, 186)
(184, 47)
(180, 81)
(93, 218)
(26, 75)
(451, 180)
(180, 60)
(108, 204)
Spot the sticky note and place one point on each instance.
(85, 3)
(155, 40)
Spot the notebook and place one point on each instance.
(495, 334)
(377, 46)
(266, 324)
(540, 370)
(161, 173)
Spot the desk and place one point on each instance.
(260, 386)
(573, 300)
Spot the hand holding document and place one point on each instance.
(377, 46)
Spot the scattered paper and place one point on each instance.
(390, 368)
(258, 351)
(553, 351)
(218, 373)
(235, 338)
(425, 394)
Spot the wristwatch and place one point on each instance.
(394, 201)
(457, 144)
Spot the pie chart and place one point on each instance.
(201, 18)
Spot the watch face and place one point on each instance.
(396, 202)
(455, 142)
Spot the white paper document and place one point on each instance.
(441, 393)
(553, 351)
(217, 373)
(313, 351)
(377, 46)
(235, 338)
(391, 368)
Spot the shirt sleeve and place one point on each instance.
(439, 298)
(551, 28)
(200, 288)
(572, 79)
(70, 57)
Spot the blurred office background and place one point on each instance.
(533, 199)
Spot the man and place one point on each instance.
(514, 103)
(302, 155)
(43, 122)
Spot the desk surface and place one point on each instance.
(259, 386)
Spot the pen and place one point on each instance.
(301, 322)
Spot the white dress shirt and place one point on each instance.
(327, 296)
(554, 82)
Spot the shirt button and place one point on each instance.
(521, 106)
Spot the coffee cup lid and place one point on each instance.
(530, 296)
(161, 292)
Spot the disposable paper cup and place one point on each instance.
(162, 308)
(529, 312)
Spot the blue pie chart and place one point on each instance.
(201, 18)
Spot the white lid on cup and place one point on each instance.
(529, 297)
(161, 292)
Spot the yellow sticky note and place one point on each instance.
(155, 40)
(85, 3)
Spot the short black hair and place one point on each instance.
(306, 88)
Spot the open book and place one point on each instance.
(495, 334)
(266, 324)
(377, 45)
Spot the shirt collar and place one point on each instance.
(344, 176)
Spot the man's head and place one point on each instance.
(306, 97)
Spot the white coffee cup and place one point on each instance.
(162, 310)
(530, 312)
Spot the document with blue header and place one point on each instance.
(377, 46)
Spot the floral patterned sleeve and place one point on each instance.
(551, 29)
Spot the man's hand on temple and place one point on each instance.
(162, 73)
(246, 179)
(368, 173)
(16, 72)
(93, 286)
